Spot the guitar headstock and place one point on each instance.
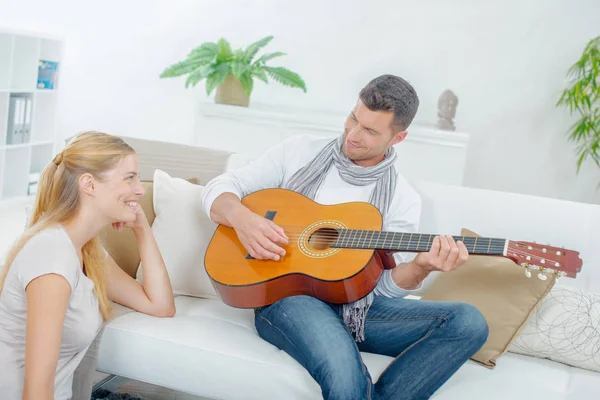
(544, 258)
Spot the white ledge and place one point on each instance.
(327, 122)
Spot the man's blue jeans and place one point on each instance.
(428, 340)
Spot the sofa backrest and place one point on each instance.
(447, 209)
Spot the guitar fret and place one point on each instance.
(393, 243)
(344, 240)
(351, 244)
(359, 243)
(349, 238)
(419, 243)
(376, 235)
(427, 246)
(380, 240)
(371, 240)
(385, 239)
(339, 239)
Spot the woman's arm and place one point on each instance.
(155, 296)
(47, 300)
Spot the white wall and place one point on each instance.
(506, 60)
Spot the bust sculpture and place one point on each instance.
(447, 110)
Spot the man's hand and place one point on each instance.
(445, 255)
(261, 237)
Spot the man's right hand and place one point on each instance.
(261, 237)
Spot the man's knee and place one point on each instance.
(344, 377)
(471, 324)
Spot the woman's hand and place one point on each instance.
(139, 223)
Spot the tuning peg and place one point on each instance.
(542, 276)
(527, 267)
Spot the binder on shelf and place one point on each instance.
(20, 108)
(47, 74)
(26, 138)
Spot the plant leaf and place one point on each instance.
(217, 77)
(266, 57)
(224, 54)
(181, 68)
(247, 83)
(205, 48)
(254, 47)
(260, 74)
(238, 68)
(198, 75)
(286, 77)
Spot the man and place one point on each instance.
(428, 340)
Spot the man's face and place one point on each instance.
(368, 134)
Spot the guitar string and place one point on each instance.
(493, 247)
(297, 234)
(561, 268)
(551, 262)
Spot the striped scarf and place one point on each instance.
(307, 181)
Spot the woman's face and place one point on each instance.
(118, 193)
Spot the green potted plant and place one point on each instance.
(583, 98)
(232, 72)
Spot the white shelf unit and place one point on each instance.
(20, 55)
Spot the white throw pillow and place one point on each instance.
(182, 231)
(565, 328)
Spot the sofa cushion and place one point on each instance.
(212, 350)
(182, 231)
(564, 328)
(500, 290)
(121, 245)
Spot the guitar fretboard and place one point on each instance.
(411, 242)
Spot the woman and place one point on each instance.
(56, 288)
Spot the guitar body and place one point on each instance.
(310, 267)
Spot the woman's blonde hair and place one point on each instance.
(58, 200)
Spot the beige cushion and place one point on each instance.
(182, 231)
(122, 245)
(500, 290)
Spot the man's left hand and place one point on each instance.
(445, 255)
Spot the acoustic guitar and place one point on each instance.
(337, 253)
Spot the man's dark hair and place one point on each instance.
(392, 93)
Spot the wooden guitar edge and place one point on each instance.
(336, 292)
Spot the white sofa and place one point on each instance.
(212, 350)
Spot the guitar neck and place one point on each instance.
(412, 242)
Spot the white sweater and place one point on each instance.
(277, 165)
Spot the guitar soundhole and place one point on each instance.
(322, 238)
